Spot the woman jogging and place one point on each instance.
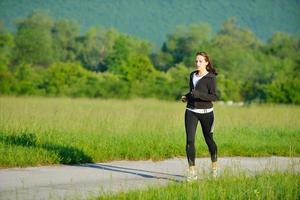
(200, 108)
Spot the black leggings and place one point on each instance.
(207, 124)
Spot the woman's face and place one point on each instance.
(200, 61)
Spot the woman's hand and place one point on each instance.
(183, 98)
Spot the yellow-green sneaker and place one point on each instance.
(214, 173)
(192, 175)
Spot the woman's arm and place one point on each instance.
(188, 95)
(212, 92)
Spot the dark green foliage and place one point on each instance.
(6, 46)
(153, 19)
(34, 40)
(65, 46)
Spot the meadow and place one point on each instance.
(45, 131)
(266, 185)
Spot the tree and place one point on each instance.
(33, 40)
(64, 35)
(96, 45)
(6, 46)
(182, 44)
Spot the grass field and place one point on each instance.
(266, 185)
(42, 131)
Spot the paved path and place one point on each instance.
(82, 181)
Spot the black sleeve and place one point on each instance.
(212, 92)
(189, 95)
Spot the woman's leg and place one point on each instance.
(207, 124)
(191, 122)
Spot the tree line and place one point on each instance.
(51, 58)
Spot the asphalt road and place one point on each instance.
(87, 180)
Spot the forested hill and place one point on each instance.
(152, 20)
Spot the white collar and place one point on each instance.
(200, 76)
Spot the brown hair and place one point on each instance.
(209, 66)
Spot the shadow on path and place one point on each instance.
(140, 172)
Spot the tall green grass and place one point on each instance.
(266, 185)
(41, 131)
